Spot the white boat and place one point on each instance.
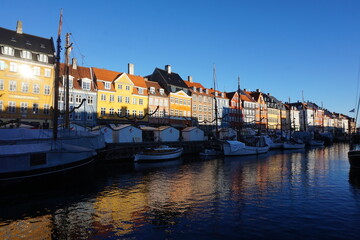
(273, 144)
(210, 152)
(237, 148)
(316, 143)
(24, 161)
(160, 153)
(293, 145)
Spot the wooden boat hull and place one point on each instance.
(40, 160)
(243, 150)
(354, 158)
(159, 155)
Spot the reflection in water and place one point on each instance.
(283, 194)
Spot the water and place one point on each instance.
(293, 194)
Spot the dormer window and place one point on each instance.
(207, 91)
(141, 91)
(200, 90)
(194, 88)
(152, 90)
(85, 84)
(107, 85)
(26, 54)
(222, 94)
(7, 50)
(161, 91)
(216, 94)
(42, 58)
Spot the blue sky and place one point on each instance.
(289, 48)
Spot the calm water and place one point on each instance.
(306, 194)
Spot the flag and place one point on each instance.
(60, 24)
(353, 110)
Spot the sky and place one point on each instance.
(293, 49)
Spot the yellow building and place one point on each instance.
(121, 97)
(26, 77)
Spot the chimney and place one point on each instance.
(74, 63)
(190, 79)
(258, 90)
(168, 69)
(131, 69)
(19, 27)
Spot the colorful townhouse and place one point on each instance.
(179, 94)
(26, 77)
(82, 95)
(222, 106)
(202, 102)
(248, 105)
(122, 98)
(261, 111)
(233, 114)
(158, 104)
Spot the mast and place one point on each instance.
(216, 107)
(67, 61)
(56, 80)
(238, 108)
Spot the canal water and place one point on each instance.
(292, 194)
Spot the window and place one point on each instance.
(141, 113)
(103, 97)
(86, 85)
(71, 98)
(171, 112)
(23, 107)
(42, 58)
(119, 111)
(46, 109)
(188, 102)
(35, 109)
(141, 101)
(176, 100)
(119, 86)
(78, 98)
(127, 99)
(2, 65)
(152, 90)
(12, 107)
(47, 90)
(89, 116)
(103, 111)
(127, 88)
(128, 113)
(119, 98)
(47, 72)
(90, 100)
(134, 113)
(107, 85)
(1, 84)
(8, 50)
(36, 88)
(12, 86)
(61, 96)
(141, 91)
(134, 100)
(1, 106)
(77, 116)
(26, 54)
(180, 101)
(161, 102)
(24, 87)
(161, 91)
(112, 98)
(13, 67)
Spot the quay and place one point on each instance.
(126, 151)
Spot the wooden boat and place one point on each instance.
(293, 145)
(237, 148)
(160, 153)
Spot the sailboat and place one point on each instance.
(291, 143)
(254, 145)
(25, 160)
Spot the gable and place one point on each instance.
(123, 78)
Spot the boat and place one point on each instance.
(293, 145)
(210, 152)
(30, 159)
(237, 148)
(273, 144)
(354, 158)
(163, 152)
(316, 143)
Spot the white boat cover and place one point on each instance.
(236, 145)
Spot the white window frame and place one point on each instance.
(47, 90)
(13, 67)
(12, 107)
(107, 85)
(26, 54)
(12, 86)
(42, 57)
(47, 72)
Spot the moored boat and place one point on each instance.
(160, 153)
(237, 148)
(293, 145)
(354, 158)
(316, 143)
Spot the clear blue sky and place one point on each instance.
(282, 47)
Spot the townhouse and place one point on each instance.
(26, 77)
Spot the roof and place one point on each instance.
(78, 74)
(105, 75)
(189, 129)
(28, 42)
(157, 88)
(166, 79)
(194, 84)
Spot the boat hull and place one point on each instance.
(243, 150)
(158, 155)
(354, 158)
(293, 145)
(40, 160)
